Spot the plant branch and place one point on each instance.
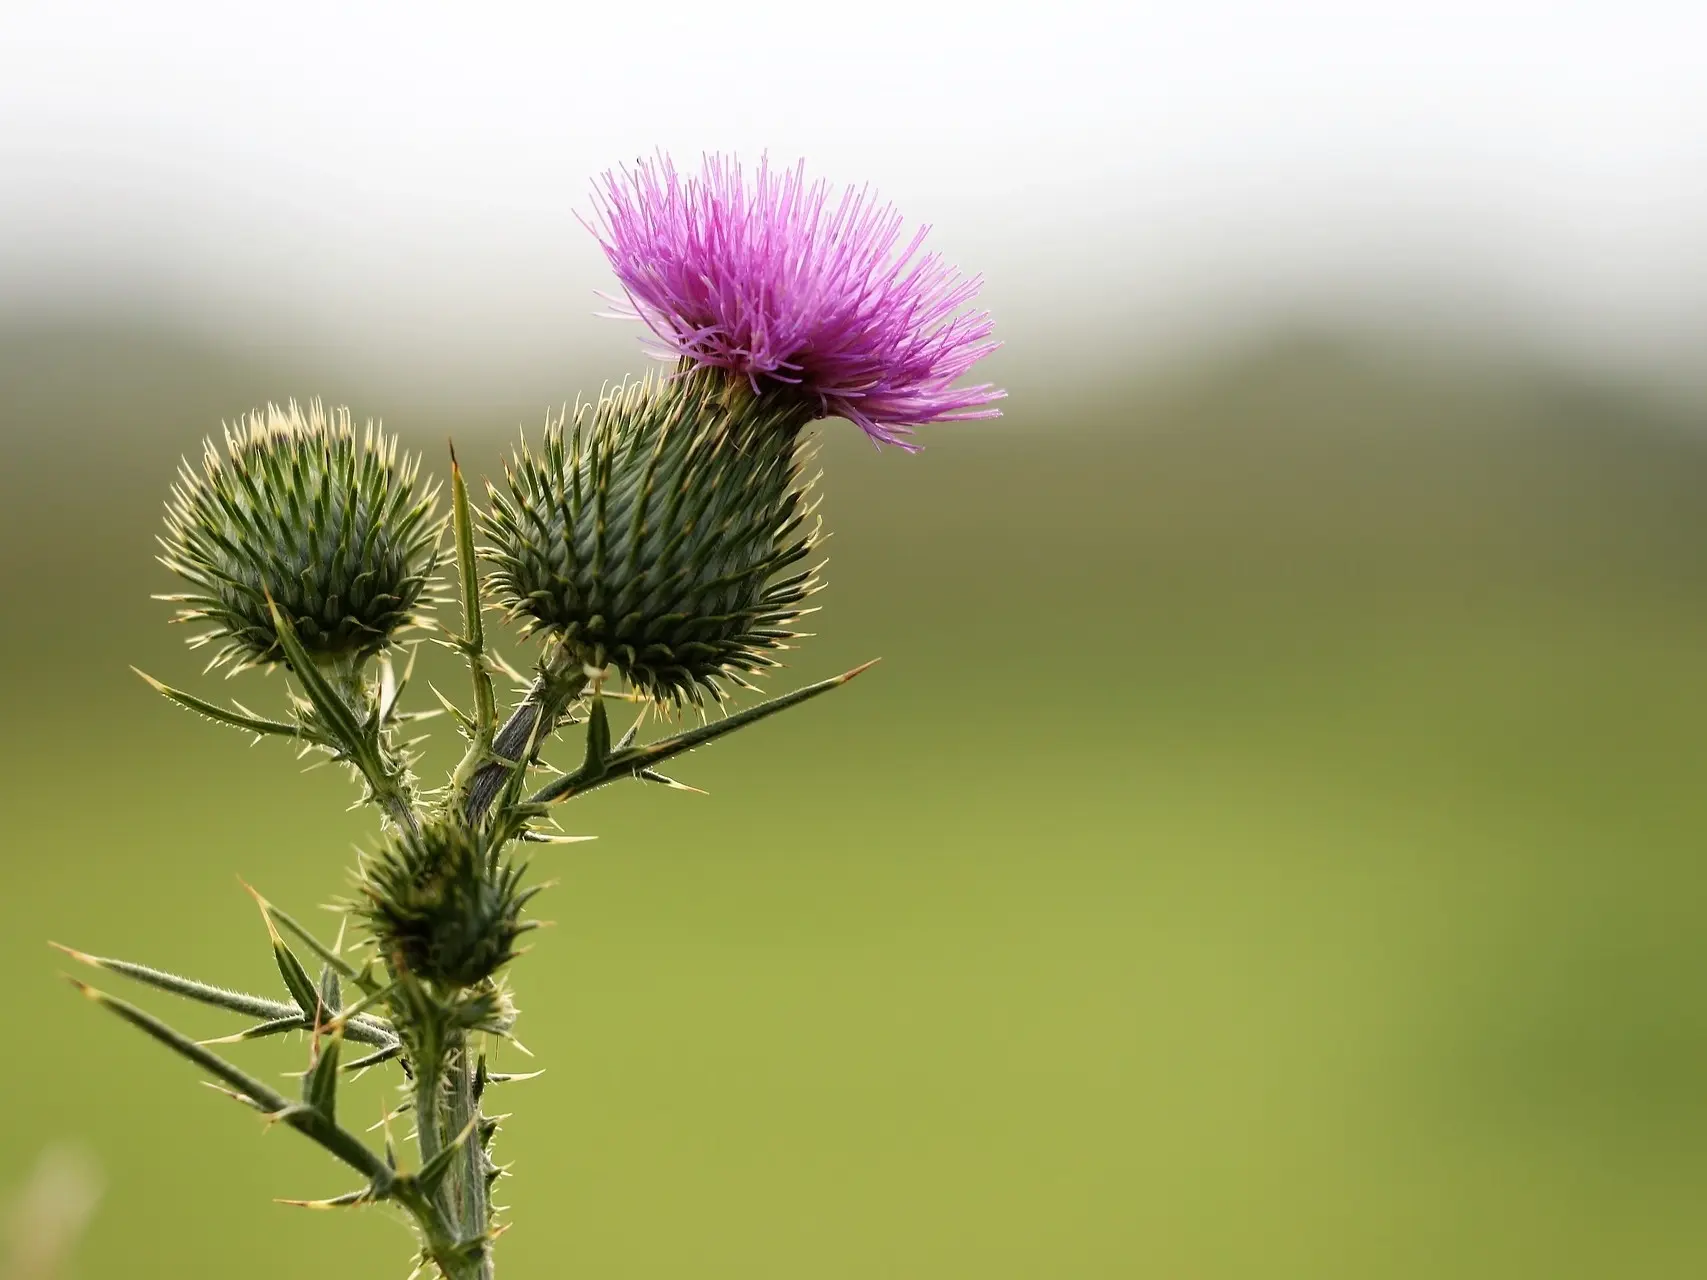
(357, 732)
(603, 765)
(468, 1198)
(558, 684)
(238, 719)
(306, 1120)
(365, 1029)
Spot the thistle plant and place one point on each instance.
(657, 544)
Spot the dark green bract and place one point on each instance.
(442, 906)
(298, 507)
(652, 534)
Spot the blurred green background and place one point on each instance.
(1271, 846)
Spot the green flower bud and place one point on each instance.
(652, 533)
(297, 507)
(442, 906)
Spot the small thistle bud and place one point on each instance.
(650, 534)
(442, 906)
(297, 507)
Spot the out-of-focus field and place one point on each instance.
(1274, 844)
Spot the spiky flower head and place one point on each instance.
(661, 531)
(442, 904)
(782, 282)
(299, 507)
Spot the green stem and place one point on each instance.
(467, 1182)
(429, 1132)
(559, 683)
(603, 765)
(390, 786)
(397, 807)
(445, 1107)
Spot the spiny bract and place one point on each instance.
(442, 905)
(650, 534)
(298, 507)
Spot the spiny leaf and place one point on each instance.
(387, 699)
(500, 1077)
(236, 1001)
(223, 715)
(364, 1195)
(359, 1008)
(657, 752)
(312, 1124)
(652, 775)
(404, 1107)
(366, 1030)
(277, 1026)
(334, 712)
(468, 569)
(242, 1098)
(375, 1058)
(504, 668)
(330, 990)
(295, 977)
(636, 760)
(462, 718)
(598, 736)
(633, 730)
(482, 725)
(320, 1085)
(328, 954)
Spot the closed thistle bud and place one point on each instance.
(298, 508)
(442, 906)
(661, 532)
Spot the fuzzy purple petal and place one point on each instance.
(781, 281)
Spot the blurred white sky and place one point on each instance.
(401, 180)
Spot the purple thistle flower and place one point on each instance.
(778, 282)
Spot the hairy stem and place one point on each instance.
(429, 1128)
(397, 808)
(559, 683)
(466, 1186)
(389, 785)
